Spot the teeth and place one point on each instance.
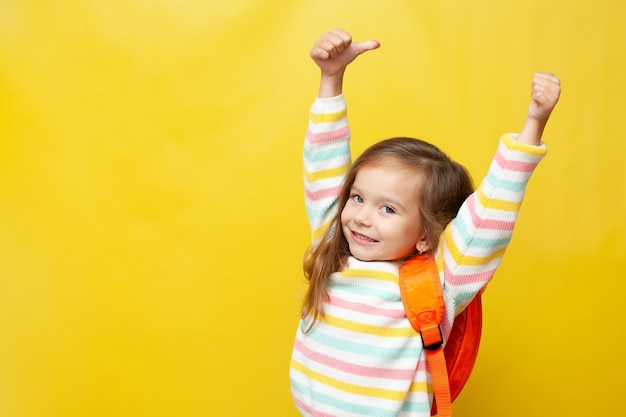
(362, 237)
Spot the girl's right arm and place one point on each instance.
(326, 148)
(326, 159)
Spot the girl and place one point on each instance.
(355, 352)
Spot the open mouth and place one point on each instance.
(363, 238)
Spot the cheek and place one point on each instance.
(417, 234)
(345, 214)
(411, 232)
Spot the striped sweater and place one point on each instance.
(363, 358)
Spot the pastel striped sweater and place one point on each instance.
(363, 358)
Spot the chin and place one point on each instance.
(362, 257)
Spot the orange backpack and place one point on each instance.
(450, 366)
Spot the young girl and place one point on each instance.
(355, 352)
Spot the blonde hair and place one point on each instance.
(445, 185)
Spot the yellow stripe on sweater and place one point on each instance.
(512, 144)
(319, 232)
(326, 173)
(493, 203)
(381, 331)
(465, 260)
(394, 395)
(421, 386)
(327, 117)
(372, 274)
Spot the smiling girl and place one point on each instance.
(355, 352)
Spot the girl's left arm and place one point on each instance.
(473, 244)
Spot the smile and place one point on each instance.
(363, 238)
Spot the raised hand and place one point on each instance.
(546, 89)
(332, 53)
(545, 94)
(334, 50)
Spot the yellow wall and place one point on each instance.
(151, 217)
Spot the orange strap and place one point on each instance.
(422, 297)
(441, 388)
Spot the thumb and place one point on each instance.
(360, 47)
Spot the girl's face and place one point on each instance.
(381, 219)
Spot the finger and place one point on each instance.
(319, 53)
(545, 96)
(334, 46)
(547, 75)
(336, 43)
(546, 81)
(361, 47)
(546, 78)
(325, 48)
(544, 90)
(345, 37)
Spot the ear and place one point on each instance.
(422, 245)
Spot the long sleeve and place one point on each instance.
(326, 159)
(473, 244)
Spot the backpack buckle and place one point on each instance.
(432, 338)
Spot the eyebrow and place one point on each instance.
(386, 199)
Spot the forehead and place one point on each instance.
(389, 180)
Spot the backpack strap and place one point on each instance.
(422, 297)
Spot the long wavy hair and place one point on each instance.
(445, 185)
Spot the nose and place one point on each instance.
(363, 216)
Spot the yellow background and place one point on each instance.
(151, 213)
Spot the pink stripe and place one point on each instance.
(309, 410)
(350, 368)
(366, 309)
(477, 221)
(513, 165)
(327, 136)
(323, 193)
(455, 280)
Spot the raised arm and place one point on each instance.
(546, 89)
(472, 246)
(327, 145)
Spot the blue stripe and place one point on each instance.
(413, 407)
(351, 346)
(316, 214)
(500, 183)
(364, 410)
(476, 242)
(326, 154)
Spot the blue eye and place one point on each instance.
(357, 198)
(388, 210)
